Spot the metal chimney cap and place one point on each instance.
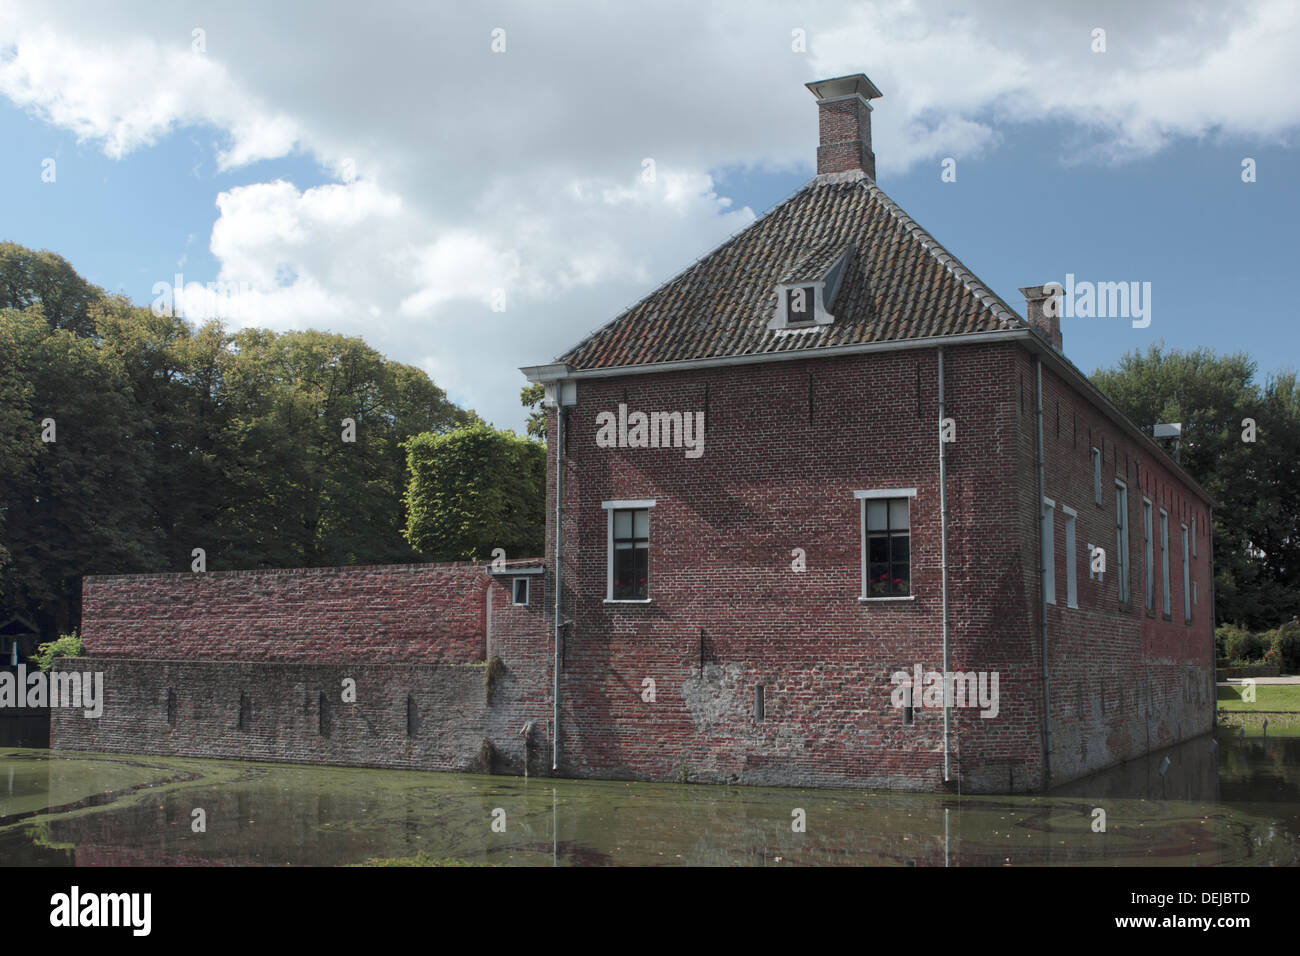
(845, 86)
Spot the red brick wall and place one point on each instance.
(771, 479)
(1122, 681)
(244, 664)
(777, 475)
(417, 613)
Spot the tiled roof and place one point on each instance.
(815, 265)
(899, 284)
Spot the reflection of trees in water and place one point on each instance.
(312, 816)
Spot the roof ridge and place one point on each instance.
(955, 267)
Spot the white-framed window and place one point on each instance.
(628, 562)
(1096, 475)
(1093, 575)
(1187, 579)
(1164, 562)
(1071, 559)
(1121, 540)
(885, 518)
(519, 591)
(1148, 554)
(1048, 556)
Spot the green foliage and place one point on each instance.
(475, 489)
(1241, 645)
(67, 645)
(1284, 647)
(531, 397)
(1226, 634)
(1254, 483)
(171, 437)
(46, 281)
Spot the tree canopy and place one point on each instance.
(473, 490)
(1257, 518)
(128, 439)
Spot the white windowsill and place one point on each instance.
(627, 600)
(871, 600)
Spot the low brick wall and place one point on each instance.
(1251, 670)
(408, 716)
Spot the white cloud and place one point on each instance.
(462, 171)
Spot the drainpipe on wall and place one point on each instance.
(943, 566)
(487, 623)
(559, 532)
(1042, 580)
(1209, 538)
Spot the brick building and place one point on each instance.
(821, 464)
(826, 455)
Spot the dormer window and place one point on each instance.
(806, 293)
(799, 305)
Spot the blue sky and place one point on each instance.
(393, 205)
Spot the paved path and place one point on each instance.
(1260, 681)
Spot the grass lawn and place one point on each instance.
(1267, 697)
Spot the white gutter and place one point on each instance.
(549, 373)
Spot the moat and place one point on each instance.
(1221, 801)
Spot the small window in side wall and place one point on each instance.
(1048, 557)
(1071, 558)
(520, 591)
(1164, 562)
(1148, 555)
(1096, 475)
(1187, 579)
(886, 543)
(1121, 541)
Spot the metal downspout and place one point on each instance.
(1042, 581)
(943, 569)
(559, 532)
(1209, 538)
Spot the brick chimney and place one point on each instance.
(1043, 309)
(845, 124)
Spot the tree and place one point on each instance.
(310, 489)
(30, 278)
(473, 490)
(1258, 498)
(531, 396)
(72, 505)
(169, 437)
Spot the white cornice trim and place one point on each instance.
(894, 345)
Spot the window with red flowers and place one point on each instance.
(886, 543)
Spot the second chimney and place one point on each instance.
(1043, 309)
(845, 124)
